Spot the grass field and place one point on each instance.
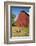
(19, 31)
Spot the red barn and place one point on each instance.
(23, 19)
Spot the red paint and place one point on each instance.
(22, 20)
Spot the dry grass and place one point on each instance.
(19, 31)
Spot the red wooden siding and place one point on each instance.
(22, 20)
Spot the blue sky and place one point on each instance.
(16, 10)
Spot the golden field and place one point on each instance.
(20, 31)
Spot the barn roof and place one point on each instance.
(25, 13)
